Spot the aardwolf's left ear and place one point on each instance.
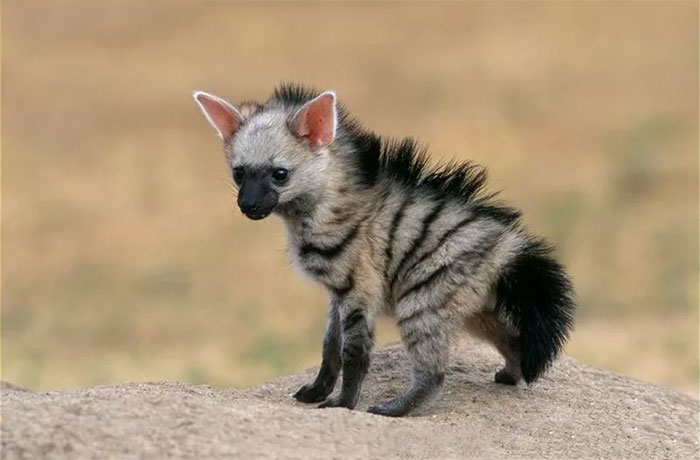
(316, 122)
(224, 117)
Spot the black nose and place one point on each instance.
(249, 207)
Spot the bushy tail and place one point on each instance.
(536, 296)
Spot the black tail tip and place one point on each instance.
(537, 297)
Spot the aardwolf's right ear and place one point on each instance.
(224, 117)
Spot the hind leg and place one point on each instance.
(427, 342)
(510, 374)
(485, 325)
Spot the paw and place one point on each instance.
(506, 378)
(311, 393)
(381, 409)
(336, 402)
(388, 409)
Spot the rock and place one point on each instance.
(574, 411)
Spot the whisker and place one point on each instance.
(229, 186)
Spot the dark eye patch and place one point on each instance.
(238, 175)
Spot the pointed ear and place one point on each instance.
(223, 116)
(317, 120)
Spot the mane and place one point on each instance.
(405, 162)
(293, 94)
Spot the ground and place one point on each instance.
(574, 411)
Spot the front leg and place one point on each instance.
(358, 340)
(330, 365)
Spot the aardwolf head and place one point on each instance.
(278, 152)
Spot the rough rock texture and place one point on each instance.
(575, 411)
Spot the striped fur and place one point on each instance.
(384, 232)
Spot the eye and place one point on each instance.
(280, 175)
(238, 175)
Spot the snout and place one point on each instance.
(257, 202)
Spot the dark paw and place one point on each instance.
(506, 378)
(391, 408)
(335, 402)
(311, 393)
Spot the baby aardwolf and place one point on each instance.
(383, 232)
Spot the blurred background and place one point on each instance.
(124, 256)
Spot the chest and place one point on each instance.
(321, 251)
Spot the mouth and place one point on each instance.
(256, 216)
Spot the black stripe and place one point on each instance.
(413, 336)
(353, 318)
(441, 241)
(411, 317)
(411, 343)
(352, 351)
(427, 221)
(425, 282)
(318, 271)
(332, 251)
(392, 230)
(476, 253)
(342, 291)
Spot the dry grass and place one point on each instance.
(124, 257)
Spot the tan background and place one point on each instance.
(125, 258)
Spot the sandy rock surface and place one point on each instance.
(575, 411)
